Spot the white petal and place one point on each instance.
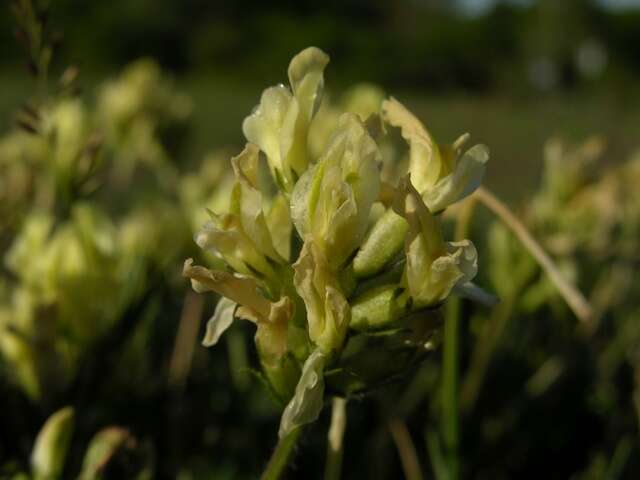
(220, 321)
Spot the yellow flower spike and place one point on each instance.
(332, 200)
(280, 123)
(328, 312)
(433, 267)
(440, 173)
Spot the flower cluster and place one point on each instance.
(341, 267)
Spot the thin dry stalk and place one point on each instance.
(184, 346)
(406, 449)
(574, 298)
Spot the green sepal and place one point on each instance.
(377, 308)
(381, 244)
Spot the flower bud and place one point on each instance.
(280, 123)
(332, 200)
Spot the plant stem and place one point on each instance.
(483, 351)
(335, 449)
(406, 449)
(281, 456)
(576, 301)
(450, 423)
(450, 400)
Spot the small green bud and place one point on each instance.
(376, 308)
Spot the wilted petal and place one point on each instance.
(307, 402)
(220, 321)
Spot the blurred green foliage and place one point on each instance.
(425, 44)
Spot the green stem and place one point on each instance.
(335, 450)
(281, 456)
(450, 425)
(484, 349)
(450, 381)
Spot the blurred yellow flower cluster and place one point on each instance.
(80, 244)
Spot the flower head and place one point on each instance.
(317, 262)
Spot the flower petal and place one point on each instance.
(247, 202)
(279, 223)
(307, 402)
(331, 202)
(425, 163)
(270, 126)
(463, 181)
(328, 312)
(220, 321)
(243, 291)
(307, 80)
(433, 267)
